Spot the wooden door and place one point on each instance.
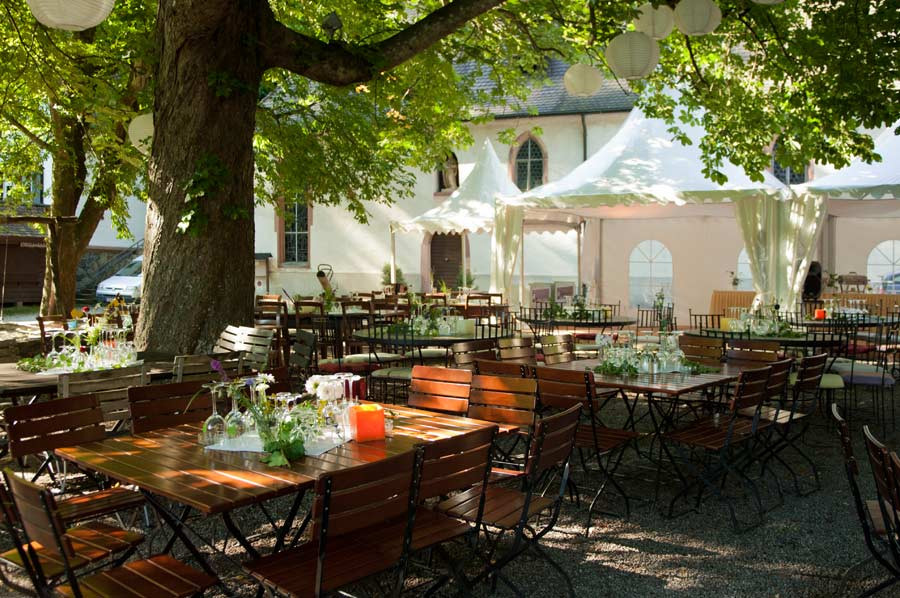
(446, 259)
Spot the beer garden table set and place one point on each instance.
(209, 470)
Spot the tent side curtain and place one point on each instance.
(780, 236)
(505, 244)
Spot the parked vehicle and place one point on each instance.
(125, 283)
(891, 283)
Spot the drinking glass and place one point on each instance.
(214, 427)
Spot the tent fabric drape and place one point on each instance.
(780, 237)
(505, 246)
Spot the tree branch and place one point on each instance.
(27, 132)
(339, 63)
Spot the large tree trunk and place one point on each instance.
(196, 283)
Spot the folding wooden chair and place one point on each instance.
(362, 526)
(272, 314)
(518, 349)
(728, 443)
(253, 342)
(511, 401)
(109, 386)
(464, 354)
(168, 405)
(562, 389)
(190, 368)
(503, 368)
(509, 510)
(440, 389)
(706, 351)
(704, 321)
(41, 428)
(44, 531)
(882, 549)
(558, 348)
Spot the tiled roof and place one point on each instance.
(554, 99)
(24, 229)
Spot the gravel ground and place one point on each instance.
(808, 546)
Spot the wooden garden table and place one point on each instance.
(171, 464)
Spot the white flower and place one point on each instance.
(265, 378)
(312, 383)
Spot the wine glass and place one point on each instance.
(214, 427)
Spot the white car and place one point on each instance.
(125, 283)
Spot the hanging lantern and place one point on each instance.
(632, 55)
(655, 22)
(582, 80)
(140, 132)
(71, 15)
(697, 17)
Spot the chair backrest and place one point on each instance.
(704, 350)
(779, 375)
(305, 350)
(885, 469)
(484, 299)
(502, 368)
(53, 424)
(700, 321)
(558, 348)
(503, 400)
(456, 463)
(752, 350)
(109, 386)
(613, 308)
(48, 325)
(167, 405)
(440, 389)
(253, 342)
(465, 353)
(271, 311)
(517, 348)
(350, 500)
(189, 368)
(552, 442)
(752, 389)
(809, 373)
(562, 389)
(305, 310)
(38, 515)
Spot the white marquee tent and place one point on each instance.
(643, 164)
(469, 209)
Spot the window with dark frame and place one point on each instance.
(529, 165)
(786, 174)
(296, 234)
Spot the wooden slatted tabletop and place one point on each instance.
(173, 464)
(15, 382)
(669, 384)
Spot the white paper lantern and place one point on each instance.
(632, 55)
(582, 80)
(71, 15)
(140, 132)
(655, 22)
(697, 17)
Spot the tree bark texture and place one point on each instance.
(197, 284)
(212, 54)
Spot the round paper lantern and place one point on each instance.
(632, 55)
(140, 132)
(655, 22)
(582, 80)
(697, 17)
(71, 15)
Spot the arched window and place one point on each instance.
(786, 174)
(529, 165)
(743, 273)
(883, 266)
(649, 270)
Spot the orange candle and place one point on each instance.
(820, 314)
(367, 422)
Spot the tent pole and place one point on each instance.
(465, 268)
(579, 235)
(393, 258)
(522, 271)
